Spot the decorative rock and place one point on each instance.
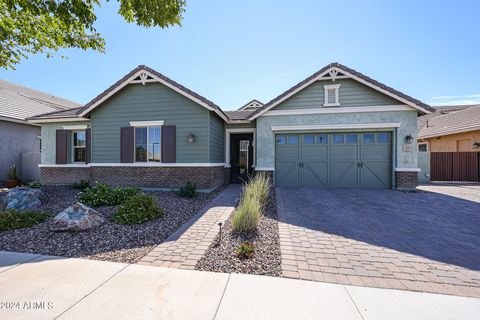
(24, 199)
(77, 217)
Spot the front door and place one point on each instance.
(241, 156)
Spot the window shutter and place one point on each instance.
(88, 145)
(127, 145)
(331, 96)
(169, 144)
(61, 147)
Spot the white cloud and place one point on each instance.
(454, 100)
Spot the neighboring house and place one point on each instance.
(442, 137)
(450, 129)
(338, 128)
(20, 140)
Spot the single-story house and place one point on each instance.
(20, 141)
(450, 129)
(337, 129)
(449, 144)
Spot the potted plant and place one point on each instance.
(12, 180)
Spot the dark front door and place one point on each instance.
(241, 155)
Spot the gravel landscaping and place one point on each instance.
(110, 241)
(266, 259)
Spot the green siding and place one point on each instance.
(216, 139)
(149, 102)
(352, 94)
(48, 133)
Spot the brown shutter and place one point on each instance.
(61, 147)
(88, 145)
(168, 144)
(127, 145)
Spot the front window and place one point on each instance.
(423, 147)
(79, 146)
(147, 144)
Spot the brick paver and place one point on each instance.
(185, 247)
(426, 241)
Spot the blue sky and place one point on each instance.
(234, 51)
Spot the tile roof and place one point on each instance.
(239, 114)
(440, 110)
(351, 71)
(19, 103)
(463, 120)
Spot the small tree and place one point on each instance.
(44, 26)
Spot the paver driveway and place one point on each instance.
(424, 241)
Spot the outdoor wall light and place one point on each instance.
(409, 139)
(191, 138)
(476, 145)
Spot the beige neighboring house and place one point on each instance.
(450, 129)
(20, 140)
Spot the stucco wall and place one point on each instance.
(449, 143)
(402, 158)
(424, 165)
(49, 139)
(15, 139)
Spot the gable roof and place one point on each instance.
(143, 74)
(440, 110)
(18, 103)
(251, 105)
(336, 69)
(463, 120)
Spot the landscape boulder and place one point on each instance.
(77, 217)
(22, 199)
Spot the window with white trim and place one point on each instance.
(147, 144)
(78, 144)
(332, 95)
(422, 147)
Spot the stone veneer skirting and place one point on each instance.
(406, 180)
(146, 177)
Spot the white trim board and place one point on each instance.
(265, 169)
(79, 119)
(135, 164)
(157, 79)
(147, 123)
(77, 127)
(290, 112)
(319, 77)
(337, 126)
(408, 169)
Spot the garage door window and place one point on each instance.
(322, 139)
(281, 140)
(337, 138)
(368, 138)
(352, 138)
(382, 137)
(308, 139)
(292, 139)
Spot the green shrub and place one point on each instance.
(104, 195)
(81, 185)
(34, 185)
(189, 190)
(246, 250)
(258, 187)
(12, 172)
(138, 209)
(246, 215)
(13, 219)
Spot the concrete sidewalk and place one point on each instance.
(42, 287)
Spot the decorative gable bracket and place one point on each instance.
(143, 78)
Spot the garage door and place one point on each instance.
(333, 160)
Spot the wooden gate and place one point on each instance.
(454, 166)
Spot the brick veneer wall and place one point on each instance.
(406, 180)
(148, 177)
